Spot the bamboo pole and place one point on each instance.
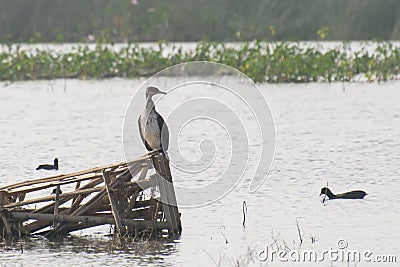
(79, 173)
(142, 176)
(78, 184)
(80, 195)
(52, 184)
(53, 197)
(35, 226)
(100, 220)
(132, 202)
(50, 207)
(3, 198)
(55, 183)
(104, 205)
(85, 207)
(113, 202)
(142, 184)
(143, 213)
(6, 225)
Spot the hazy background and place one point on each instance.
(192, 20)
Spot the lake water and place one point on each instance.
(345, 134)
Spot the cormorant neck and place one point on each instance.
(149, 104)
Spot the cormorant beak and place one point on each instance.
(164, 93)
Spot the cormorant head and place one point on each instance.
(151, 91)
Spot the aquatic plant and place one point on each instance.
(262, 61)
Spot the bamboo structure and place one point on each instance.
(125, 194)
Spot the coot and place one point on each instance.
(49, 166)
(356, 194)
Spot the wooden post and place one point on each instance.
(2, 198)
(56, 203)
(6, 225)
(113, 202)
(167, 193)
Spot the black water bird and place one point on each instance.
(49, 166)
(152, 128)
(356, 194)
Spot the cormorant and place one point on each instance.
(152, 128)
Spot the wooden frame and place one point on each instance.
(112, 194)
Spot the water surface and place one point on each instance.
(344, 134)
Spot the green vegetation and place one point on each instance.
(193, 20)
(135, 21)
(262, 61)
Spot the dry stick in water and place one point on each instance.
(298, 230)
(222, 233)
(226, 239)
(244, 213)
(216, 264)
(323, 200)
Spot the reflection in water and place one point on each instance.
(142, 251)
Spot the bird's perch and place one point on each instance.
(122, 194)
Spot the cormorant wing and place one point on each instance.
(141, 132)
(164, 133)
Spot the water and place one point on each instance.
(347, 135)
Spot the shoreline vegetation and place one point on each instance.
(189, 21)
(262, 61)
